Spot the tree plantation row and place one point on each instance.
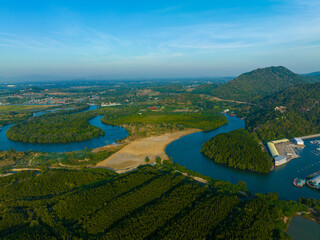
(148, 203)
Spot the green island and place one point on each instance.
(238, 149)
(150, 202)
(55, 129)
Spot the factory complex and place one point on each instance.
(283, 150)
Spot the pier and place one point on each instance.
(313, 175)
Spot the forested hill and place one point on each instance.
(291, 113)
(311, 77)
(314, 74)
(258, 83)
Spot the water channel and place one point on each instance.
(186, 152)
(112, 133)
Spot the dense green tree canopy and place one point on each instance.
(299, 114)
(147, 203)
(55, 129)
(238, 149)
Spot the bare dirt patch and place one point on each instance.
(134, 153)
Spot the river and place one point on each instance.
(112, 133)
(186, 152)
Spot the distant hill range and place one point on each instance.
(311, 77)
(261, 82)
(313, 74)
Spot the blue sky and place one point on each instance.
(151, 39)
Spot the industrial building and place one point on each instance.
(273, 151)
(278, 159)
(298, 141)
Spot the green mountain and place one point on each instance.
(258, 83)
(293, 112)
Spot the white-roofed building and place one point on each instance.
(298, 141)
(280, 160)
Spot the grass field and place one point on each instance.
(179, 121)
(14, 113)
(22, 107)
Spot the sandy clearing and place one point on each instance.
(111, 146)
(25, 169)
(134, 153)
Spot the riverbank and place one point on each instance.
(135, 153)
(186, 152)
(303, 228)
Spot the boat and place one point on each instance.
(299, 182)
(313, 184)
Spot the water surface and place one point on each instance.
(186, 152)
(112, 133)
(301, 228)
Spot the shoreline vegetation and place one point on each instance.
(238, 149)
(15, 113)
(56, 129)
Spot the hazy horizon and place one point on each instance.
(165, 39)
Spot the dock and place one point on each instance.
(313, 175)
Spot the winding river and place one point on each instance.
(186, 152)
(112, 133)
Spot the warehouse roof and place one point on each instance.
(274, 152)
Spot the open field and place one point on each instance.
(22, 107)
(134, 153)
(6, 163)
(14, 113)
